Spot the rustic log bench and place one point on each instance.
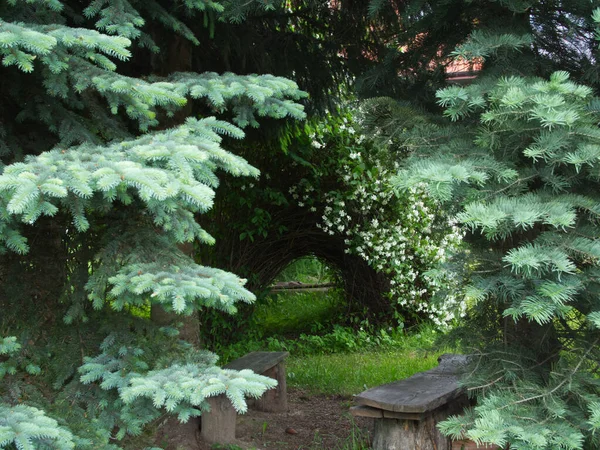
(406, 412)
(218, 425)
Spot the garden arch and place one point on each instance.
(262, 260)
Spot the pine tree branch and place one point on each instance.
(518, 181)
(557, 387)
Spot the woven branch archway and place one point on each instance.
(263, 259)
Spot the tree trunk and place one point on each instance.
(190, 330)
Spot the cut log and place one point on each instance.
(274, 400)
(269, 364)
(399, 434)
(218, 425)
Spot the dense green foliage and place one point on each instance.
(403, 51)
(112, 133)
(327, 194)
(520, 171)
(97, 200)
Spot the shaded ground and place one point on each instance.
(312, 422)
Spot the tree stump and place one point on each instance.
(404, 434)
(218, 426)
(274, 400)
(270, 364)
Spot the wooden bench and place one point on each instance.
(218, 425)
(406, 412)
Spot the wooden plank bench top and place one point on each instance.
(419, 394)
(258, 362)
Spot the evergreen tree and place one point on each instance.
(520, 171)
(102, 176)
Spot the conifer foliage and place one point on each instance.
(520, 168)
(85, 164)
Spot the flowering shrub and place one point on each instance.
(398, 234)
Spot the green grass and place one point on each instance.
(288, 313)
(306, 270)
(352, 373)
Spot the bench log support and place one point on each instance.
(218, 425)
(399, 434)
(274, 400)
(269, 364)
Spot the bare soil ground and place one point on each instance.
(311, 422)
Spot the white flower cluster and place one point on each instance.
(399, 236)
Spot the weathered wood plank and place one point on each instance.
(420, 393)
(366, 411)
(258, 362)
(376, 413)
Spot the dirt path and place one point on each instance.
(312, 422)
